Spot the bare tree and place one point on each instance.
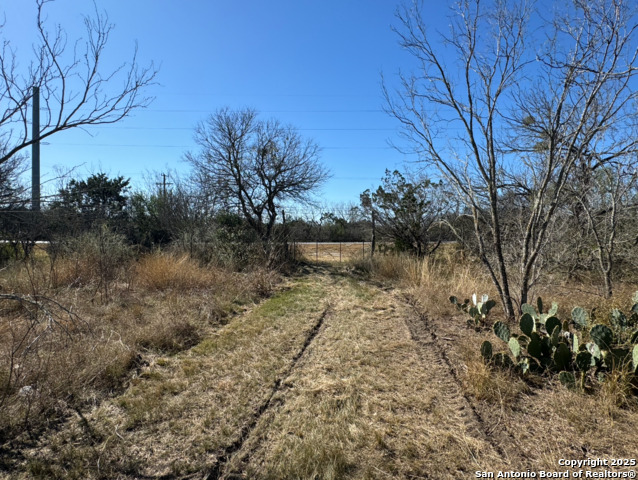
(515, 112)
(75, 90)
(607, 206)
(253, 166)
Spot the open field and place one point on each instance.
(331, 251)
(333, 377)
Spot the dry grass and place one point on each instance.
(364, 403)
(163, 271)
(331, 252)
(432, 280)
(486, 383)
(161, 305)
(198, 400)
(369, 398)
(536, 415)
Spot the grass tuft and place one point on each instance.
(163, 271)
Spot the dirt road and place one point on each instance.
(333, 377)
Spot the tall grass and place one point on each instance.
(431, 281)
(75, 324)
(434, 279)
(162, 271)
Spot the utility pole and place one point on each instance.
(35, 152)
(163, 184)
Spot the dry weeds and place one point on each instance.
(163, 271)
(365, 402)
(54, 361)
(384, 388)
(182, 412)
(534, 421)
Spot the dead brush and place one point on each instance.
(492, 385)
(163, 271)
(617, 391)
(95, 259)
(432, 280)
(261, 281)
(36, 333)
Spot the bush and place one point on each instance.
(93, 259)
(162, 271)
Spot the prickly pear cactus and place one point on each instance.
(580, 317)
(575, 346)
(618, 319)
(524, 365)
(552, 323)
(535, 347)
(486, 350)
(596, 354)
(602, 336)
(502, 331)
(515, 347)
(583, 361)
(527, 324)
(487, 306)
(477, 311)
(530, 310)
(555, 336)
(503, 360)
(562, 357)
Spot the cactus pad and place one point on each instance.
(555, 337)
(502, 360)
(618, 319)
(534, 348)
(487, 306)
(580, 317)
(502, 331)
(575, 346)
(515, 347)
(602, 336)
(486, 350)
(527, 324)
(551, 324)
(526, 308)
(562, 356)
(583, 361)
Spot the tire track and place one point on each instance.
(423, 334)
(217, 471)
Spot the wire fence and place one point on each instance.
(330, 251)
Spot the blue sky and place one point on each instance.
(313, 64)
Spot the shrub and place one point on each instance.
(162, 271)
(93, 259)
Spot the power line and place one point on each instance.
(130, 145)
(376, 110)
(299, 129)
